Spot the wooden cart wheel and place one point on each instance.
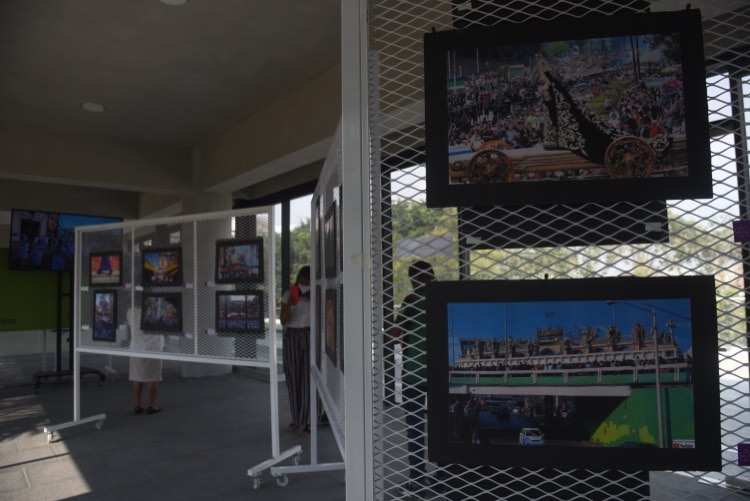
(490, 166)
(629, 157)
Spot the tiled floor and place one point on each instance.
(211, 432)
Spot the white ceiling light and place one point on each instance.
(92, 107)
(173, 2)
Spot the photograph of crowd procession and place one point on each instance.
(596, 108)
(571, 373)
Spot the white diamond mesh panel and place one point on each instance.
(178, 317)
(460, 244)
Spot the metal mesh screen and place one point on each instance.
(681, 237)
(165, 287)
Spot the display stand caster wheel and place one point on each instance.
(282, 481)
(297, 458)
(98, 425)
(50, 437)
(101, 381)
(256, 483)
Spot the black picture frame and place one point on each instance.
(340, 329)
(239, 261)
(161, 312)
(161, 267)
(331, 324)
(104, 319)
(317, 226)
(318, 328)
(105, 269)
(240, 312)
(546, 176)
(330, 244)
(537, 384)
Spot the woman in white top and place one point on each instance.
(295, 318)
(144, 370)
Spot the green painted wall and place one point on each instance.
(28, 299)
(635, 418)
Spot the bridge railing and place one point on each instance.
(669, 373)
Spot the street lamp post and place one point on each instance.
(655, 336)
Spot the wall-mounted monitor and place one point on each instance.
(596, 109)
(607, 373)
(45, 241)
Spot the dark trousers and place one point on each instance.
(415, 406)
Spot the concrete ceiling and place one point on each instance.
(165, 74)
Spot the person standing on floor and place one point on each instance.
(411, 328)
(144, 371)
(295, 318)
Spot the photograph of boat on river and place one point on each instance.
(583, 372)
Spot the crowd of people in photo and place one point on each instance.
(506, 103)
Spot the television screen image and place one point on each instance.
(45, 241)
(162, 267)
(595, 109)
(239, 312)
(239, 261)
(594, 373)
(105, 269)
(162, 312)
(105, 316)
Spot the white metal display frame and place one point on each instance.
(270, 364)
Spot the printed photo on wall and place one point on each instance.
(331, 313)
(330, 245)
(162, 312)
(239, 261)
(238, 311)
(105, 269)
(105, 316)
(318, 329)
(162, 267)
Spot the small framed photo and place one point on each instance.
(239, 311)
(331, 315)
(105, 269)
(318, 237)
(318, 329)
(239, 261)
(162, 312)
(330, 245)
(105, 315)
(162, 267)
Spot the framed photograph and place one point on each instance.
(239, 311)
(105, 269)
(239, 261)
(318, 238)
(162, 267)
(318, 329)
(105, 315)
(330, 244)
(331, 315)
(597, 109)
(615, 372)
(161, 312)
(340, 330)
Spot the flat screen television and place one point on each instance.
(45, 241)
(605, 373)
(595, 109)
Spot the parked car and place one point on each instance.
(531, 436)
